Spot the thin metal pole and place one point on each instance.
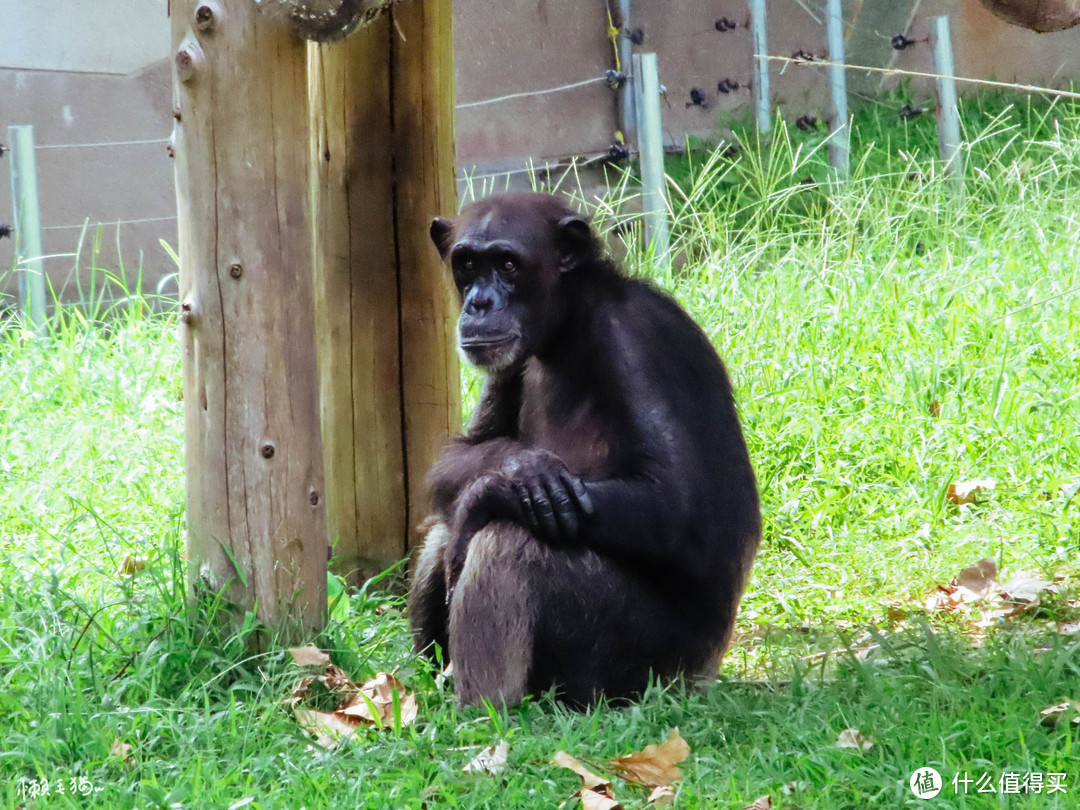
(839, 126)
(27, 222)
(762, 98)
(948, 116)
(628, 112)
(651, 155)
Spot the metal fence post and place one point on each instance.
(651, 155)
(762, 98)
(839, 126)
(27, 221)
(948, 116)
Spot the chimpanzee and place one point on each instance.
(599, 518)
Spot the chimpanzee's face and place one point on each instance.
(507, 258)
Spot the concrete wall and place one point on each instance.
(85, 73)
(91, 71)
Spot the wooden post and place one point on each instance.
(26, 213)
(948, 116)
(839, 126)
(762, 98)
(651, 155)
(384, 304)
(423, 91)
(255, 496)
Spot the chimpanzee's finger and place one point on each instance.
(527, 508)
(577, 488)
(545, 513)
(565, 510)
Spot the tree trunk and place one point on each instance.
(256, 506)
(382, 114)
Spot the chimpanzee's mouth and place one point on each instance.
(487, 341)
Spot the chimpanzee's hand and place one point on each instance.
(550, 496)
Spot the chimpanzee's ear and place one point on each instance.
(440, 234)
(576, 243)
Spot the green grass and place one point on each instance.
(885, 339)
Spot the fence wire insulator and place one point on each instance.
(614, 79)
(910, 112)
(3, 150)
(724, 24)
(727, 86)
(5, 230)
(806, 122)
(618, 151)
(900, 42)
(637, 36)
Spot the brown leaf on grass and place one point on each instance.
(309, 656)
(1052, 714)
(131, 565)
(760, 803)
(1069, 629)
(600, 799)
(589, 779)
(978, 578)
(661, 795)
(374, 702)
(853, 738)
(656, 764)
(122, 750)
(328, 728)
(961, 492)
(1026, 588)
(489, 761)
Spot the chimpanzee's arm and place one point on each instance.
(491, 439)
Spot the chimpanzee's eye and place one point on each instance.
(468, 264)
(509, 266)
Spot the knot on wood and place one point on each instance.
(189, 59)
(267, 450)
(205, 17)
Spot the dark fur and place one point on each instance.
(618, 384)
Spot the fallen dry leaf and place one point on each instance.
(853, 738)
(1052, 714)
(588, 778)
(374, 702)
(1026, 588)
(961, 492)
(1069, 629)
(598, 800)
(355, 704)
(978, 578)
(662, 795)
(760, 803)
(122, 750)
(129, 566)
(309, 656)
(655, 765)
(328, 728)
(489, 761)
